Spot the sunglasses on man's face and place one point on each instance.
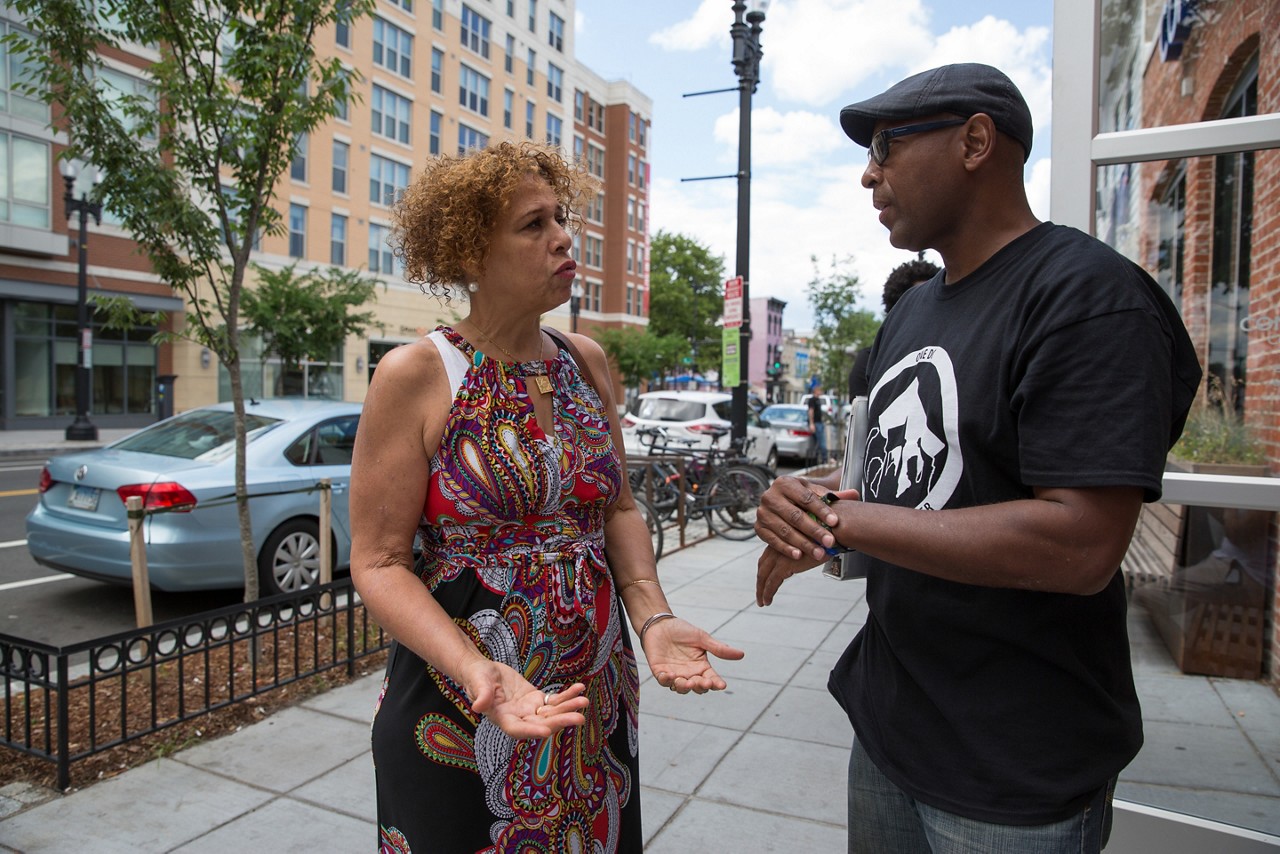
(879, 148)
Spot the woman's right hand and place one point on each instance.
(519, 708)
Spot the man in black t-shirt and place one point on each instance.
(816, 424)
(1021, 407)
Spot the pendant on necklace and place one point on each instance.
(543, 382)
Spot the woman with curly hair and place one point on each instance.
(508, 716)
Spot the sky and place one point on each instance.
(818, 56)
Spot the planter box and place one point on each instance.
(1203, 575)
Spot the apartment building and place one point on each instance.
(438, 76)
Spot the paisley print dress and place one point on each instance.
(513, 548)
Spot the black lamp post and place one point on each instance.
(746, 63)
(82, 427)
(575, 305)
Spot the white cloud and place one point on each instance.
(815, 50)
(707, 27)
(782, 139)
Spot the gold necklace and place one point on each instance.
(542, 381)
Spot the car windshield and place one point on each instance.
(191, 434)
(786, 416)
(670, 409)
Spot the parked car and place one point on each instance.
(698, 416)
(184, 468)
(790, 425)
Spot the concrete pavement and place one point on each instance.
(757, 768)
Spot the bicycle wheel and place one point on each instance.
(664, 480)
(733, 497)
(653, 521)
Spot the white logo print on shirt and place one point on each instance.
(913, 454)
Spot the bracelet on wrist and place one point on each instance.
(631, 584)
(656, 618)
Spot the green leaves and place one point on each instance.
(307, 316)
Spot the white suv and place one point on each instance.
(697, 415)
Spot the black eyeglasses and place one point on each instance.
(879, 148)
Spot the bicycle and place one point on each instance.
(719, 485)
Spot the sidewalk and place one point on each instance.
(760, 767)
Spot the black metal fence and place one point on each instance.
(139, 682)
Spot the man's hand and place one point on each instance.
(775, 568)
(794, 521)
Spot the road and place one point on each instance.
(38, 604)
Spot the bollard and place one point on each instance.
(138, 558)
(326, 544)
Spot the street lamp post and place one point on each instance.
(82, 427)
(748, 17)
(575, 305)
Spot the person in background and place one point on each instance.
(1023, 404)
(817, 424)
(508, 718)
(901, 278)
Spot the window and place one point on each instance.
(387, 179)
(473, 90)
(631, 168)
(528, 119)
(433, 142)
(579, 104)
(594, 251)
(555, 32)
(631, 126)
(555, 127)
(631, 290)
(631, 253)
(579, 148)
(341, 164)
(1232, 241)
(509, 58)
(381, 258)
(475, 31)
(297, 231)
(533, 16)
(642, 170)
(123, 90)
(555, 82)
(391, 114)
(338, 240)
(437, 70)
(298, 167)
(641, 222)
(595, 209)
(437, 14)
(342, 106)
(392, 48)
(469, 138)
(595, 160)
(24, 181)
(529, 69)
(13, 70)
(511, 8)
(631, 212)
(407, 5)
(508, 106)
(342, 26)
(644, 133)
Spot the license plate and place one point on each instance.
(84, 498)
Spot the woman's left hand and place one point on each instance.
(677, 654)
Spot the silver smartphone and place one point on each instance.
(846, 566)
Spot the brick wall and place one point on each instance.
(1227, 37)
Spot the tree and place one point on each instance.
(308, 316)
(190, 165)
(839, 326)
(686, 294)
(640, 355)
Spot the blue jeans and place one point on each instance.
(885, 820)
(820, 441)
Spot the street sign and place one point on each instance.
(731, 364)
(733, 303)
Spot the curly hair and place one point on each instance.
(903, 277)
(445, 218)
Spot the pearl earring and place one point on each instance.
(473, 287)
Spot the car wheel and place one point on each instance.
(771, 461)
(290, 559)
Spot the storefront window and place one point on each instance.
(269, 377)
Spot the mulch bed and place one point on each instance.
(185, 686)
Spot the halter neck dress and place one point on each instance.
(512, 537)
